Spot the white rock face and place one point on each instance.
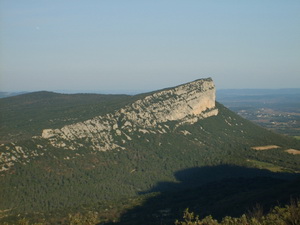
(186, 104)
(191, 99)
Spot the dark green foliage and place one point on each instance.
(224, 197)
(212, 162)
(287, 215)
(24, 116)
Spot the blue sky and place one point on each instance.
(138, 45)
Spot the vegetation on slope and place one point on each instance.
(24, 116)
(278, 215)
(155, 171)
(69, 181)
(290, 214)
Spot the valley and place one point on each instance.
(276, 110)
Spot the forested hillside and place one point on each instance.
(59, 183)
(211, 166)
(24, 116)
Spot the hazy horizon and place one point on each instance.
(140, 46)
(134, 92)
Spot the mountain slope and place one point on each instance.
(137, 149)
(24, 116)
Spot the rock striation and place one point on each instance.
(152, 114)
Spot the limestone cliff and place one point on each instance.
(186, 103)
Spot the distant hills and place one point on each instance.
(10, 94)
(138, 159)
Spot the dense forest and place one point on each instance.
(209, 167)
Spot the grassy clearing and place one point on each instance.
(293, 151)
(265, 147)
(268, 166)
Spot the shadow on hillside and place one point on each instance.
(217, 191)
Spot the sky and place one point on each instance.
(121, 46)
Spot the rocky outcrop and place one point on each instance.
(184, 104)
